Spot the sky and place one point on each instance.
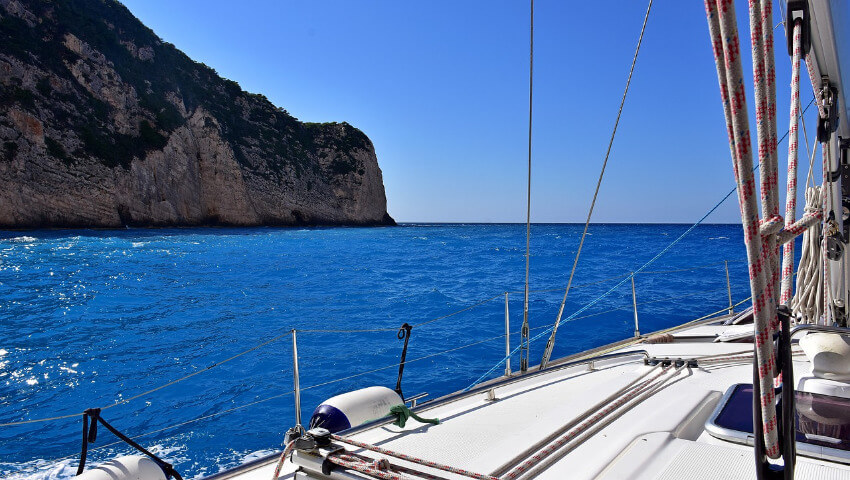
(441, 88)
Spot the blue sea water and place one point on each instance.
(89, 318)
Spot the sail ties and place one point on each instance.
(784, 235)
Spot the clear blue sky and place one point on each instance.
(441, 88)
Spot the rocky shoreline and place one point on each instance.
(102, 124)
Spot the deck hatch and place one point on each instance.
(823, 422)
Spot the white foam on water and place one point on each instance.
(256, 455)
(718, 238)
(23, 239)
(40, 469)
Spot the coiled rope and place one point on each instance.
(807, 303)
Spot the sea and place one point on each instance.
(99, 318)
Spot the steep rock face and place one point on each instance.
(102, 124)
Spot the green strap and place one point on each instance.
(402, 413)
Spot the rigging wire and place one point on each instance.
(482, 302)
(262, 344)
(240, 354)
(288, 332)
(616, 277)
(630, 306)
(551, 343)
(289, 392)
(612, 289)
(256, 402)
(524, 341)
(152, 390)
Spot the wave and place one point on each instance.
(257, 455)
(40, 469)
(23, 239)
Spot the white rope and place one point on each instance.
(807, 303)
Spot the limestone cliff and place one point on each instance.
(103, 124)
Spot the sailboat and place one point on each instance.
(763, 393)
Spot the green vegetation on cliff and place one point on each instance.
(164, 79)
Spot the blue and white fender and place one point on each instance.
(354, 408)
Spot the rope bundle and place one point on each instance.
(723, 28)
(807, 303)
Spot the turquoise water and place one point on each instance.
(89, 318)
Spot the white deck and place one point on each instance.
(660, 438)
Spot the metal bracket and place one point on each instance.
(834, 247)
(844, 169)
(829, 122)
(845, 213)
(415, 399)
(786, 413)
(839, 311)
(798, 9)
(833, 176)
(835, 238)
(325, 452)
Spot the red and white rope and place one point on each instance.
(411, 458)
(809, 220)
(394, 472)
(816, 84)
(283, 456)
(791, 191)
(826, 198)
(371, 469)
(384, 464)
(572, 434)
(764, 83)
(724, 36)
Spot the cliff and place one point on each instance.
(102, 124)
